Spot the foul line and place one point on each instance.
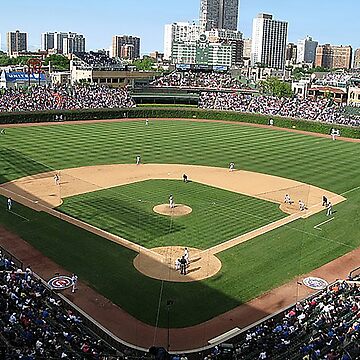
(324, 222)
(16, 214)
(351, 190)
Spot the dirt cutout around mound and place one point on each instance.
(177, 210)
(42, 193)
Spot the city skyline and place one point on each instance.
(145, 19)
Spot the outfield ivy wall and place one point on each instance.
(176, 112)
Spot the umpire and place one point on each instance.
(183, 264)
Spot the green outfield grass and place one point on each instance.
(218, 215)
(249, 269)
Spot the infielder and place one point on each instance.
(232, 166)
(177, 264)
(287, 199)
(57, 179)
(329, 209)
(138, 160)
(301, 205)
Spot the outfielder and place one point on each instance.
(232, 166)
(138, 160)
(171, 201)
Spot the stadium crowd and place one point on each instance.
(325, 326)
(41, 98)
(35, 324)
(191, 79)
(309, 109)
(99, 60)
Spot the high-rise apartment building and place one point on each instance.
(269, 39)
(247, 48)
(73, 43)
(16, 42)
(291, 53)
(219, 14)
(306, 50)
(56, 41)
(357, 59)
(333, 57)
(118, 43)
(179, 32)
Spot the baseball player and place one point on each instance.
(301, 205)
(146, 122)
(171, 201)
(329, 209)
(232, 166)
(185, 178)
(9, 204)
(138, 160)
(324, 201)
(186, 256)
(287, 199)
(57, 179)
(177, 264)
(74, 279)
(2, 132)
(333, 133)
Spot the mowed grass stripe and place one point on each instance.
(217, 216)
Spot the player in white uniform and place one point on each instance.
(232, 166)
(57, 179)
(171, 201)
(301, 205)
(329, 208)
(146, 122)
(74, 279)
(138, 159)
(186, 255)
(9, 204)
(287, 199)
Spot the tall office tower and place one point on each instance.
(119, 41)
(179, 32)
(333, 57)
(16, 42)
(306, 52)
(47, 41)
(73, 43)
(269, 41)
(357, 59)
(291, 53)
(219, 14)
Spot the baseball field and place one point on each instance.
(233, 261)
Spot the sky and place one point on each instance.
(327, 21)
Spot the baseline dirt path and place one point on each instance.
(139, 334)
(45, 194)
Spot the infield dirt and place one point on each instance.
(42, 193)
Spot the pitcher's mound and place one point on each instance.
(178, 210)
(203, 264)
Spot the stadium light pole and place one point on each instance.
(169, 303)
